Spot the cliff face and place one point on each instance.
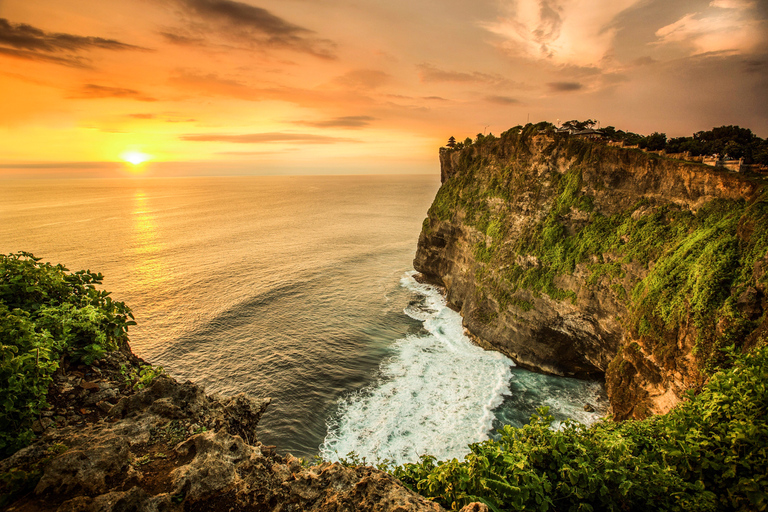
(577, 258)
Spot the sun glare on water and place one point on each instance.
(135, 157)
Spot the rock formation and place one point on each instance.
(579, 258)
(170, 447)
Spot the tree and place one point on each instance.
(654, 142)
(579, 125)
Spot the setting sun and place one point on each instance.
(135, 157)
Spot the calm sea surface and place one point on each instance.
(297, 288)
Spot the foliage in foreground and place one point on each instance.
(46, 314)
(710, 453)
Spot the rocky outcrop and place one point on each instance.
(546, 245)
(172, 447)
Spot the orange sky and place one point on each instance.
(343, 86)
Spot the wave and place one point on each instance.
(435, 394)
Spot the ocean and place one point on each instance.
(296, 288)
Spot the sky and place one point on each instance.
(94, 88)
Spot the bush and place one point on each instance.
(710, 453)
(47, 313)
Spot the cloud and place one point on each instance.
(574, 32)
(725, 26)
(94, 91)
(644, 61)
(565, 86)
(732, 4)
(59, 165)
(502, 100)
(430, 73)
(181, 39)
(756, 66)
(362, 79)
(548, 28)
(257, 153)
(341, 122)
(213, 84)
(27, 42)
(167, 117)
(269, 137)
(247, 24)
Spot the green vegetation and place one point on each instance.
(703, 269)
(699, 262)
(710, 453)
(140, 378)
(47, 314)
(705, 266)
(733, 141)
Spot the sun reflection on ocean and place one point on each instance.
(151, 271)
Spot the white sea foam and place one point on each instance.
(435, 395)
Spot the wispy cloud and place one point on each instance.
(734, 26)
(559, 31)
(166, 117)
(502, 100)
(94, 91)
(247, 24)
(182, 39)
(362, 79)
(59, 165)
(27, 42)
(211, 83)
(268, 137)
(341, 122)
(564, 86)
(431, 73)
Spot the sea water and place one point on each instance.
(296, 288)
(438, 392)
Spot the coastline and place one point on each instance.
(170, 446)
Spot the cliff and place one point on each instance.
(105, 445)
(579, 258)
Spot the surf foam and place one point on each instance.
(435, 395)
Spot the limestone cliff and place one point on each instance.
(580, 258)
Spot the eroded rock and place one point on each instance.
(171, 447)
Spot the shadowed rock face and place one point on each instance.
(501, 198)
(172, 447)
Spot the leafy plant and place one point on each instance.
(140, 378)
(46, 314)
(710, 453)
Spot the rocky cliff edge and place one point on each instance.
(105, 446)
(579, 258)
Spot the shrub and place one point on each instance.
(710, 453)
(47, 313)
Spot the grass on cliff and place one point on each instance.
(47, 313)
(699, 263)
(710, 453)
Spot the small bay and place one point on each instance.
(297, 288)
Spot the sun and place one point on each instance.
(135, 157)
